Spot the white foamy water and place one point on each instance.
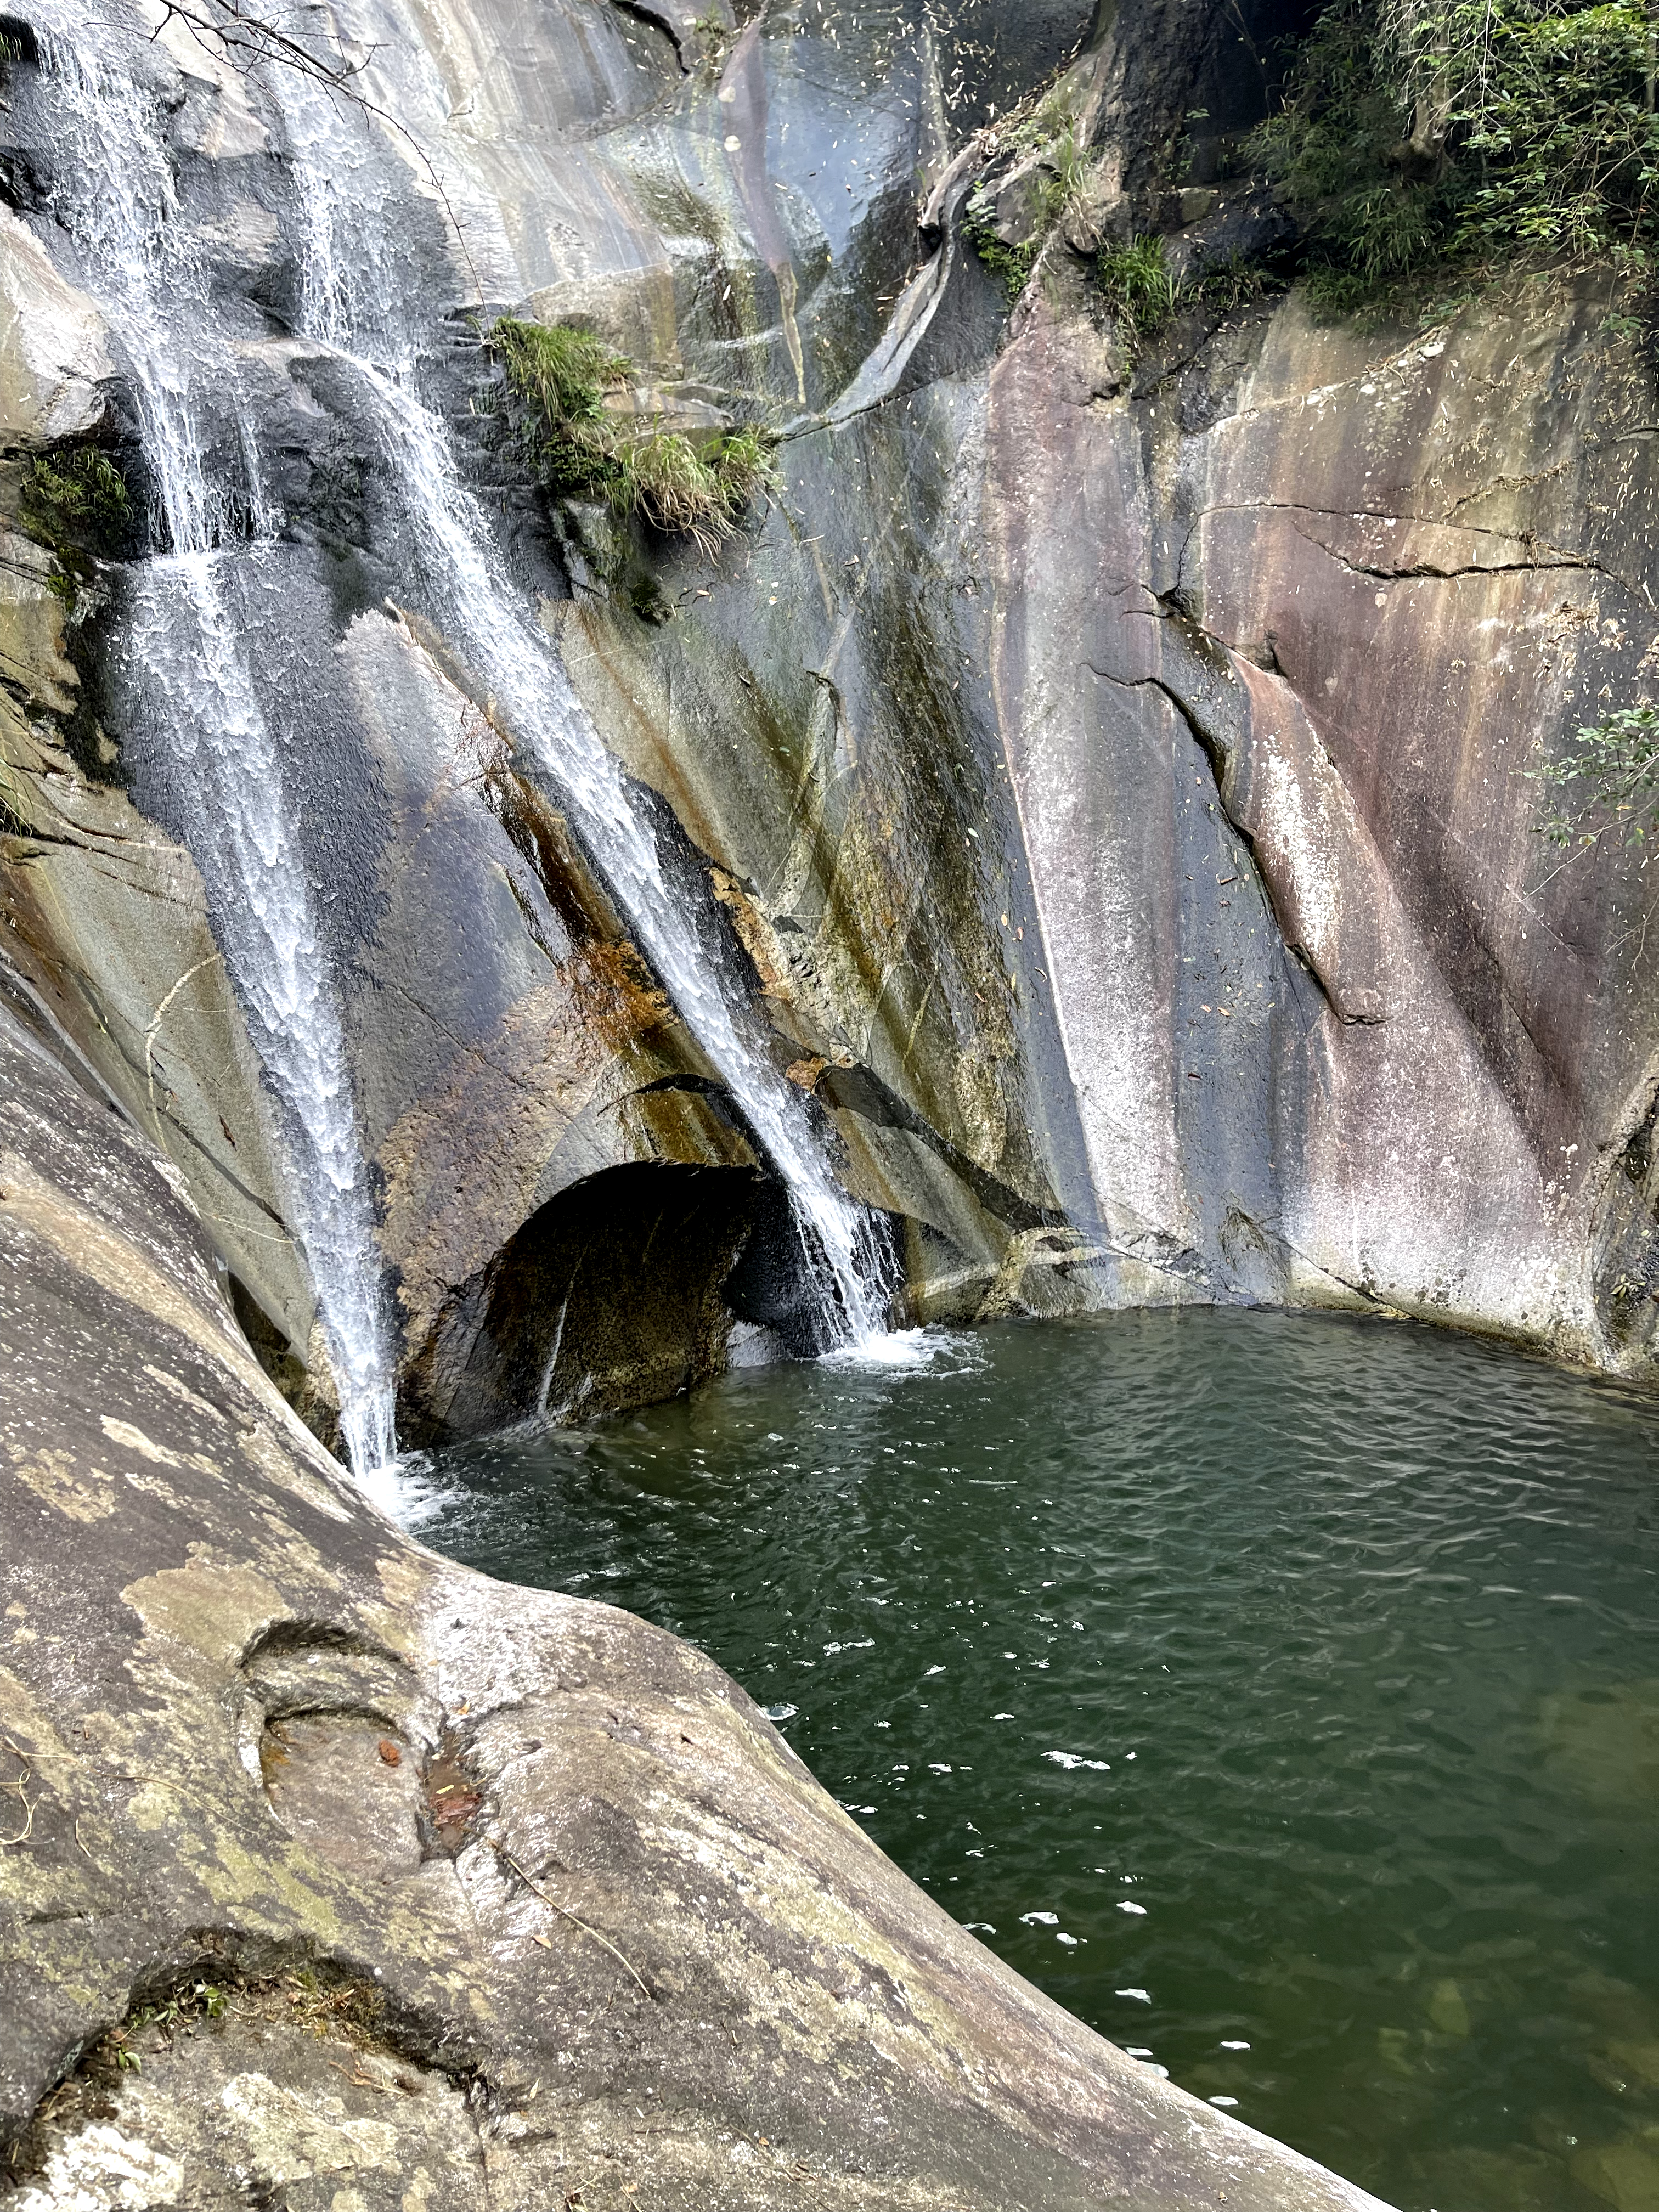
(114, 193)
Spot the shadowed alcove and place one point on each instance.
(639, 1282)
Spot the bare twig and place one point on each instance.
(229, 27)
(565, 1913)
(20, 1785)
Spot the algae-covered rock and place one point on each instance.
(1603, 1743)
(1623, 2174)
(1105, 769)
(1447, 2008)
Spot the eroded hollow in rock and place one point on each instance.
(342, 1784)
(342, 1748)
(643, 1281)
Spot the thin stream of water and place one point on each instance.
(354, 305)
(117, 201)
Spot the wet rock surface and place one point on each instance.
(1023, 752)
(1106, 778)
(333, 1868)
(1106, 773)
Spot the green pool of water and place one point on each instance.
(1280, 1693)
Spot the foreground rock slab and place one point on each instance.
(337, 1876)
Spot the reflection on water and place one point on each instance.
(1605, 1744)
(1280, 1693)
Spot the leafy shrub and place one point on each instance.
(1615, 766)
(1426, 136)
(559, 376)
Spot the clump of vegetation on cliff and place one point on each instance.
(1042, 133)
(581, 448)
(1144, 293)
(75, 501)
(1429, 138)
(1609, 781)
(1141, 289)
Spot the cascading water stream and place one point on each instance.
(356, 311)
(116, 197)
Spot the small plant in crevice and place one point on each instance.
(1613, 772)
(646, 597)
(1234, 282)
(558, 377)
(1139, 284)
(193, 2001)
(1144, 294)
(1045, 125)
(1011, 264)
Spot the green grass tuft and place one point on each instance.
(1141, 287)
(559, 376)
(75, 500)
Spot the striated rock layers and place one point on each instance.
(340, 1878)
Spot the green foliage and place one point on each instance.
(1012, 264)
(197, 2001)
(566, 371)
(75, 500)
(1426, 137)
(1235, 284)
(1614, 769)
(1140, 288)
(580, 448)
(1144, 294)
(1048, 117)
(1048, 127)
(711, 29)
(743, 465)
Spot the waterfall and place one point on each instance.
(116, 197)
(355, 310)
(363, 308)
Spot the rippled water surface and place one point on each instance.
(1279, 1694)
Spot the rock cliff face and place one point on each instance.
(1109, 777)
(1279, 735)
